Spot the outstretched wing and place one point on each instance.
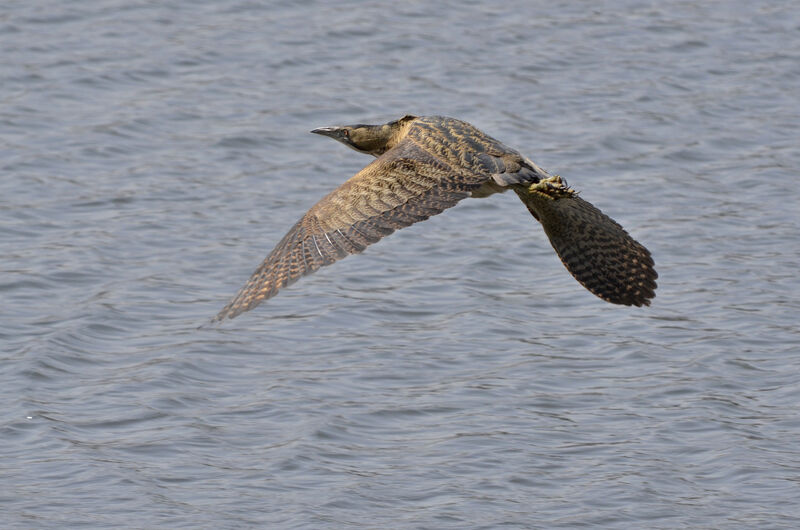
(596, 250)
(403, 186)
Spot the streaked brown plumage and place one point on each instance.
(425, 165)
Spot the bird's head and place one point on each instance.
(371, 139)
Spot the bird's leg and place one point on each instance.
(552, 188)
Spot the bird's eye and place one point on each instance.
(346, 133)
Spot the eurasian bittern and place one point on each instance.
(425, 165)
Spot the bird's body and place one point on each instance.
(425, 165)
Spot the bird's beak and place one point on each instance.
(327, 131)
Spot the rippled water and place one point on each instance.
(452, 376)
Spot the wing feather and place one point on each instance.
(402, 187)
(595, 249)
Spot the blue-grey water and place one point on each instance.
(452, 376)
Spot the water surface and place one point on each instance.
(452, 376)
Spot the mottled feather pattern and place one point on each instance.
(359, 213)
(460, 145)
(424, 166)
(595, 249)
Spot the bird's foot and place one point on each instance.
(552, 188)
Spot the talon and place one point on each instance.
(553, 188)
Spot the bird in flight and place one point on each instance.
(425, 165)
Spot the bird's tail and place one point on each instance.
(594, 248)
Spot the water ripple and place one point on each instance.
(452, 376)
